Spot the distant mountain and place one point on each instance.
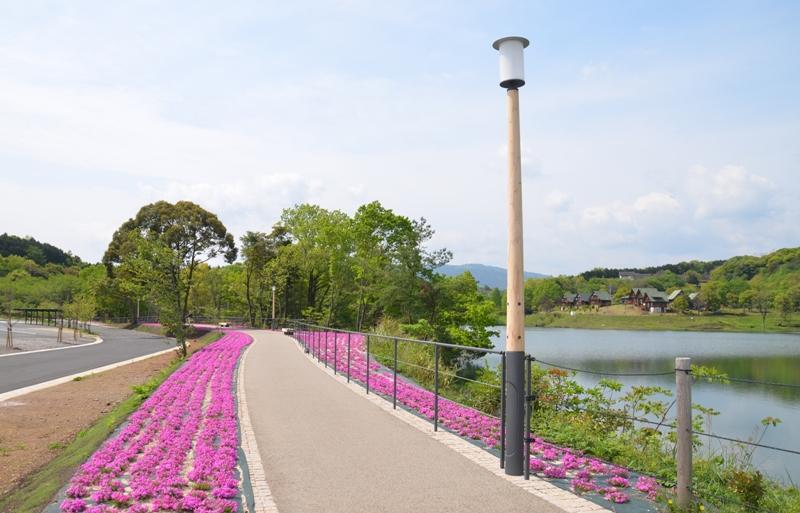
(487, 275)
(40, 252)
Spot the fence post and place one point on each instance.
(326, 348)
(367, 380)
(335, 352)
(503, 411)
(683, 388)
(436, 388)
(394, 386)
(348, 357)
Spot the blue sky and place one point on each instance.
(651, 133)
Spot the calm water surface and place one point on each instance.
(763, 357)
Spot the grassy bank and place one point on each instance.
(622, 318)
(37, 489)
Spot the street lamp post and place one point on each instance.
(512, 77)
(273, 307)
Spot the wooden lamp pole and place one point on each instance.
(512, 77)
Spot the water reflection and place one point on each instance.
(761, 357)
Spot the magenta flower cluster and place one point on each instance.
(586, 474)
(178, 450)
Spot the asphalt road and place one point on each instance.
(22, 370)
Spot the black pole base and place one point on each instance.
(515, 406)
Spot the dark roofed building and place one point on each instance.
(600, 298)
(649, 298)
(583, 298)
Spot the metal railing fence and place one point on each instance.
(315, 340)
(382, 350)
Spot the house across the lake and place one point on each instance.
(600, 298)
(596, 298)
(650, 299)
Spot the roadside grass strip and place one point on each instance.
(582, 474)
(178, 451)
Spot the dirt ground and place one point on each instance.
(36, 426)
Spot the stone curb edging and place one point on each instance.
(98, 340)
(567, 501)
(262, 496)
(58, 381)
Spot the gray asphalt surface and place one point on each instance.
(23, 370)
(324, 448)
(29, 337)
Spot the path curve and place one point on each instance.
(324, 448)
(24, 370)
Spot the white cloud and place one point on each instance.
(731, 191)
(557, 201)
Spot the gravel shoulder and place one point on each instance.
(36, 426)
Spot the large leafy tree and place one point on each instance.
(161, 248)
(259, 249)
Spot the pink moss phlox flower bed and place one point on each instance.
(178, 450)
(586, 474)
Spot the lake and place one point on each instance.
(762, 357)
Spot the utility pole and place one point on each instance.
(512, 77)
(273, 307)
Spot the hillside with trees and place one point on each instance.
(40, 253)
(767, 287)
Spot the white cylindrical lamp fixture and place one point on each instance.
(512, 64)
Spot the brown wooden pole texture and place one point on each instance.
(515, 311)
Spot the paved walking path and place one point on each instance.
(324, 448)
(22, 370)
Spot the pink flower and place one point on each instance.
(537, 465)
(614, 495)
(583, 485)
(619, 482)
(73, 506)
(647, 485)
(620, 472)
(555, 472)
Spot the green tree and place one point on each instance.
(784, 302)
(710, 295)
(622, 291)
(762, 301)
(680, 304)
(542, 294)
(162, 247)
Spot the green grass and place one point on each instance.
(153, 330)
(727, 321)
(37, 489)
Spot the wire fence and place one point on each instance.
(673, 424)
(385, 352)
(602, 373)
(620, 414)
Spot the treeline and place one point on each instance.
(361, 271)
(40, 253)
(357, 271)
(763, 284)
(24, 283)
(694, 266)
